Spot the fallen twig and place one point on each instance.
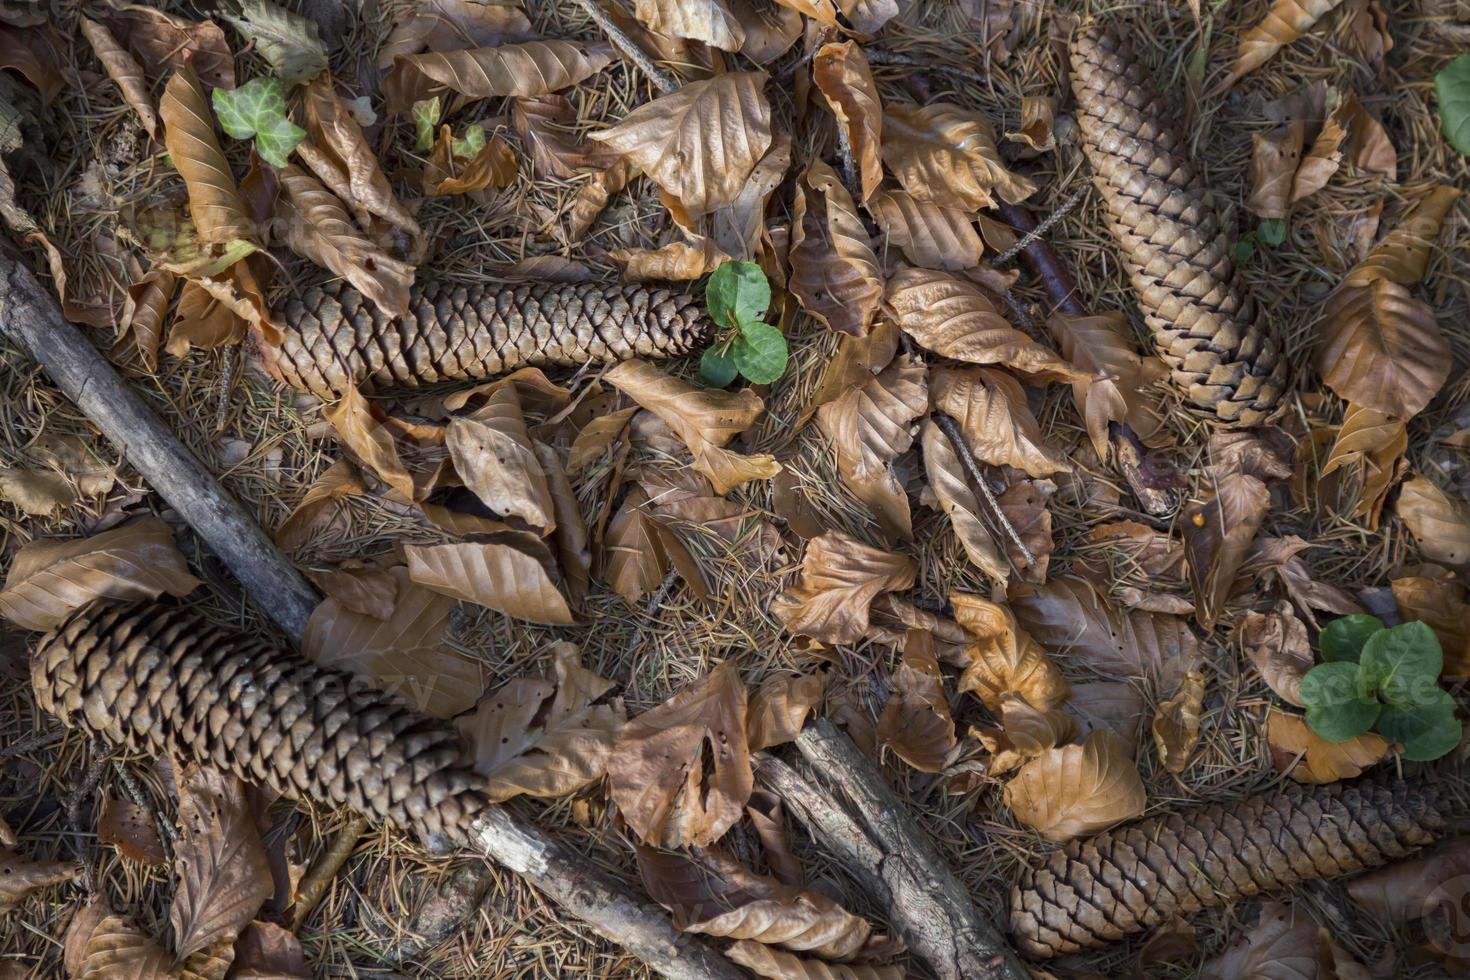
(951, 431)
(661, 79)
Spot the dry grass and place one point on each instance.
(91, 173)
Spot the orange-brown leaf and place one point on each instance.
(1308, 758)
(494, 575)
(710, 21)
(779, 708)
(1003, 658)
(929, 235)
(956, 497)
(524, 69)
(360, 427)
(841, 73)
(124, 70)
(163, 42)
(1116, 389)
(1077, 789)
(916, 723)
(991, 410)
(1176, 723)
(1218, 533)
(946, 154)
(102, 945)
(1439, 522)
(834, 272)
(839, 579)
(219, 212)
(1382, 348)
(130, 828)
(1286, 21)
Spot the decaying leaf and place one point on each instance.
(1286, 21)
(709, 21)
(524, 69)
(952, 490)
(20, 875)
(48, 579)
(1404, 253)
(124, 70)
(1218, 533)
(1275, 156)
(1004, 659)
(491, 165)
(1038, 115)
(162, 42)
(219, 212)
(224, 874)
(634, 558)
(493, 455)
(657, 774)
(991, 411)
(453, 25)
(700, 143)
(956, 319)
(359, 425)
(339, 480)
(916, 723)
(1176, 723)
(1439, 523)
(839, 579)
(766, 961)
(1025, 733)
(1023, 504)
(946, 154)
(780, 706)
(1118, 377)
(841, 73)
(929, 235)
(130, 828)
(834, 273)
(1114, 705)
(289, 42)
(496, 576)
(1402, 891)
(1077, 789)
(1284, 944)
(544, 124)
(102, 945)
(1308, 758)
(544, 736)
(1276, 643)
(1382, 348)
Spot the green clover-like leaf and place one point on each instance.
(472, 143)
(717, 368)
(1343, 638)
(425, 117)
(1337, 707)
(737, 294)
(1452, 88)
(1272, 231)
(1403, 663)
(1428, 729)
(258, 109)
(760, 352)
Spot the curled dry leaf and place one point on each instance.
(130, 828)
(709, 21)
(1218, 533)
(1077, 789)
(1038, 114)
(1284, 944)
(1176, 723)
(544, 736)
(359, 425)
(492, 167)
(496, 576)
(1275, 156)
(572, 544)
(1402, 891)
(1023, 504)
(289, 42)
(1308, 758)
(1142, 564)
(494, 456)
(1403, 254)
(737, 229)
(1025, 733)
(780, 707)
(657, 774)
(834, 273)
(224, 874)
(140, 327)
(991, 410)
(946, 154)
(634, 559)
(1118, 377)
(1278, 557)
(453, 25)
(266, 951)
(930, 236)
(841, 74)
(956, 319)
(1438, 522)
(339, 480)
(1324, 156)
(839, 579)
(1276, 643)
(525, 69)
(952, 490)
(1381, 348)
(20, 875)
(1372, 445)
(1286, 21)
(545, 126)
(704, 419)
(48, 579)
(101, 945)
(1004, 659)
(1438, 599)
(700, 143)
(916, 723)
(319, 228)
(400, 649)
(125, 72)
(219, 212)
(870, 426)
(676, 261)
(163, 42)
(710, 892)
(766, 961)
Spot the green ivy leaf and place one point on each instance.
(1272, 231)
(258, 109)
(1343, 639)
(1452, 86)
(737, 294)
(1337, 708)
(1428, 729)
(472, 143)
(760, 352)
(1402, 663)
(717, 368)
(425, 118)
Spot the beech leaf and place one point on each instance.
(20, 875)
(1176, 723)
(838, 581)
(130, 828)
(779, 708)
(1438, 522)
(929, 235)
(1309, 758)
(772, 963)
(218, 210)
(524, 69)
(916, 723)
(1276, 643)
(1403, 254)
(1076, 790)
(834, 273)
(1003, 658)
(991, 410)
(841, 73)
(1382, 348)
(496, 576)
(1284, 22)
(453, 25)
(952, 490)
(1284, 944)
(1116, 389)
(1218, 533)
(946, 154)
(124, 70)
(360, 427)
(710, 21)
(102, 945)
(1025, 733)
(162, 41)
(494, 456)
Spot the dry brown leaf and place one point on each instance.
(20, 875)
(545, 125)
(401, 649)
(1038, 115)
(946, 154)
(1382, 348)
(956, 319)
(834, 273)
(38, 493)
(1372, 445)
(1218, 533)
(588, 202)
(870, 427)
(523, 69)
(224, 874)
(1143, 565)
(1406, 890)
(676, 261)
(1403, 254)
(1279, 557)
(201, 320)
(1286, 21)
(1284, 944)
(709, 21)
(704, 419)
(494, 456)
(1275, 156)
(930, 236)
(360, 426)
(125, 72)
(1077, 789)
(1003, 658)
(738, 228)
(130, 828)
(339, 480)
(710, 892)
(991, 410)
(266, 951)
(572, 543)
(657, 774)
(1025, 733)
(634, 559)
(765, 961)
(544, 736)
(700, 143)
(1176, 723)
(163, 42)
(1114, 705)
(779, 708)
(48, 578)
(219, 212)
(360, 587)
(1276, 642)
(1368, 145)
(1023, 504)
(770, 29)
(493, 167)
(140, 327)
(1439, 601)
(1308, 758)
(496, 576)
(1118, 377)
(952, 490)
(1325, 154)
(839, 579)
(841, 73)
(1440, 523)
(916, 723)
(319, 228)
(102, 945)
(453, 25)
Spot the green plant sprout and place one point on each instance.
(257, 110)
(738, 296)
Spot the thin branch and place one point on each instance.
(877, 56)
(1040, 231)
(951, 429)
(661, 79)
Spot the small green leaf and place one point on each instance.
(258, 109)
(760, 352)
(1243, 249)
(1402, 663)
(1427, 730)
(717, 368)
(425, 118)
(1272, 231)
(1337, 709)
(473, 142)
(1343, 639)
(737, 294)
(1452, 86)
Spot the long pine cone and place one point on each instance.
(1138, 876)
(334, 337)
(1205, 324)
(159, 678)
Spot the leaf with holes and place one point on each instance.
(834, 272)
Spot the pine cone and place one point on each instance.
(334, 336)
(1206, 327)
(1137, 876)
(159, 678)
